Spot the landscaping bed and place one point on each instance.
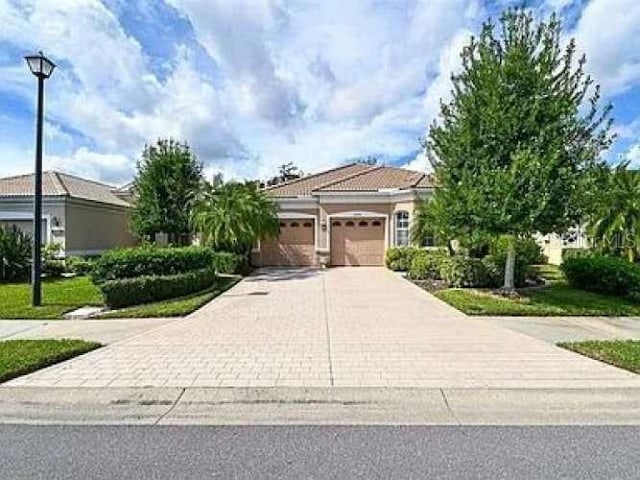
(620, 353)
(19, 357)
(176, 307)
(552, 300)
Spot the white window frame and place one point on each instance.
(404, 229)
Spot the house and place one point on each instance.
(83, 216)
(349, 215)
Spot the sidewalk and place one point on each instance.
(319, 406)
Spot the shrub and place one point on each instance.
(150, 261)
(426, 264)
(145, 289)
(528, 252)
(15, 255)
(603, 274)
(399, 259)
(79, 265)
(568, 253)
(494, 271)
(228, 263)
(462, 271)
(52, 265)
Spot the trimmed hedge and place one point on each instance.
(598, 273)
(399, 259)
(150, 261)
(230, 263)
(460, 271)
(146, 289)
(427, 265)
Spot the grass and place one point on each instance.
(59, 296)
(176, 307)
(551, 273)
(19, 357)
(557, 299)
(621, 353)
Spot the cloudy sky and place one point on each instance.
(252, 84)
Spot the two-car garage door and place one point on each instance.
(357, 241)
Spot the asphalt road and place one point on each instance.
(34, 452)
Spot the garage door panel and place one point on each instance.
(293, 247)
(357, 242)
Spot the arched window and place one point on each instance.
(350, 224)
(336, 224)
(402, 229)
(307, 224)
(294, 224)
(362, 223)
(376, 223)
(283, 225)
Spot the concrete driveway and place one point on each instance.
(340, 327)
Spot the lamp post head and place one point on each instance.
(40, 65)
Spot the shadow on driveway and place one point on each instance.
(277, 274)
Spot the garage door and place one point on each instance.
(357, 242)
(26, 226)
(294, 246)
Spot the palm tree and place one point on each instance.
(234, 216)
(616, 222)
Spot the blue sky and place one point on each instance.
(252, 84)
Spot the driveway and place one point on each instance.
(341, 327)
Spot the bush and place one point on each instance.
(528, 252)
(603, 274)
(145, 289)
(79, 265)
(399, 259)
(52, 265)
(15, 255)
(230, 263)
(462, 271)
(150, 261)
(568, 253)
(427, 264)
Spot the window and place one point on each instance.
(429, 240)
(294, 224)
(307, 224)
(283, 225)
(350, 224)
(402, 229)
(336, 224)
(376, 223)
(363, 224)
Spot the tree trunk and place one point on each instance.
(510, 265)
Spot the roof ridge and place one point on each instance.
(77, 177)
(299, 179)
(56, 179)
(348, 177)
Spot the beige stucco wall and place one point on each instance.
(92, 227)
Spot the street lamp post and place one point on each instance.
(42, 68)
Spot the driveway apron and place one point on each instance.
(339, 327)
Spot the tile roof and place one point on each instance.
(353, 178)
(56, 184)
(305, 185)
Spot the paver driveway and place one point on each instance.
(338, 327)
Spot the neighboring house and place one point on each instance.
(554, 245)
(84, 216)
(345, 216)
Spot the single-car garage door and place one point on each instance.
(357, 242)
(294, 246)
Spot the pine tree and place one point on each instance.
(519, 138)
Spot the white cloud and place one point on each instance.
(633, 156)
(608, 31)
(110, 168)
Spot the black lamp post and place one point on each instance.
(42, 68)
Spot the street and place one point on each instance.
(280, 452)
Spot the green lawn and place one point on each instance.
(19, 357)
(556, 299)
(177, 307)
(58, 297)
(551, 273)
(621, 353)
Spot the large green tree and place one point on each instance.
(169, 177)
(234, 216)
(514, 147)
(615, 222)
